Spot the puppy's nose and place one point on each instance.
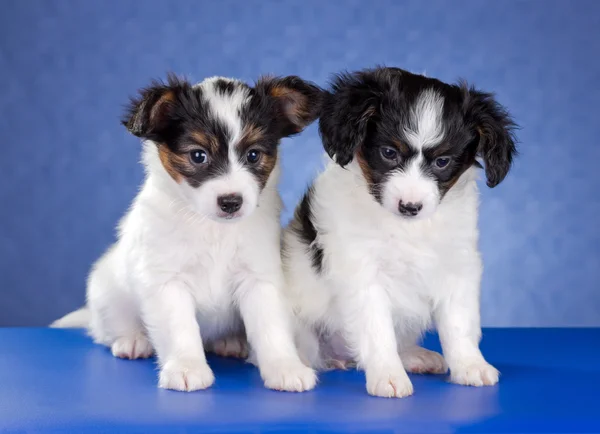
(409, 209)
(230, 203)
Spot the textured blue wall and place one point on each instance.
(68, 170)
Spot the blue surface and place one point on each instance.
(58, 380)
(68, 170)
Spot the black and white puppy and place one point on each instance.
(197, 259)
(385, 240)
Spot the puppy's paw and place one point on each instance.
(335, 364)
(422, 361)
(132, 347)
(234, 346)
(288, 376)
(186, 375)
(478, 373)
(389, 383)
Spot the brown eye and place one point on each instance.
(253, 156)
(199, 156)
(442, 162)
(389, 153)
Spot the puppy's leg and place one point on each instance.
(458, 324)
(370, 331)
(268, 325)
(307, 342)
(170, 317)
(114, 315)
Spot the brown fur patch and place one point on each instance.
(174, 164)
(251, 135)
(207, 141)
(295, 105)
(165, 158)
(161, 106)
(265, 167)
(402, 147)
(364, 167)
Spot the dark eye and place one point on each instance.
(199, 156)
(253, 156)
(389, 153)
(442, 162)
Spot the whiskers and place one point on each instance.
(184, 212)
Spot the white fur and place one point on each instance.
(225, 107)
(180, 277)
(386, 279)
(411, 186)
(426, 126)
(77, 319)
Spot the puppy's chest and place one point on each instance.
(209, 267)
(413, 259)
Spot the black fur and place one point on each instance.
(304, 227)
(496, 127)
(226, 87)
(366, 110)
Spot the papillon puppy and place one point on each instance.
(197, 263)
(385, 242)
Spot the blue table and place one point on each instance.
(59, 381)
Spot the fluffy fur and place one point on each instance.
(384, 243)
(197, 262)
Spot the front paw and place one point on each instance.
(288, 376)
(478, 373)
(389, 383)
(186, 375)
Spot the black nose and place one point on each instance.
(409, 209)
(230, 203)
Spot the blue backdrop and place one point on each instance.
(68, 170)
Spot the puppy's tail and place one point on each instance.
(76, 319)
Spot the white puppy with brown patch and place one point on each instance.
(198, 254)
(385, 241)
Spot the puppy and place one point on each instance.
(385, 240)
(198, 254)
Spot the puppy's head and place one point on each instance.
(413, 136)
(218, 139)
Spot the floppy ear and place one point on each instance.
(151, 114)
(298, 102)
(496, 133)
(345, 115)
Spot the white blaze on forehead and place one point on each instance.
(426, 127)
(225, 107)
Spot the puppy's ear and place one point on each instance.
(345, 116)
(152, 112)
(497, 142)
(298, 102)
